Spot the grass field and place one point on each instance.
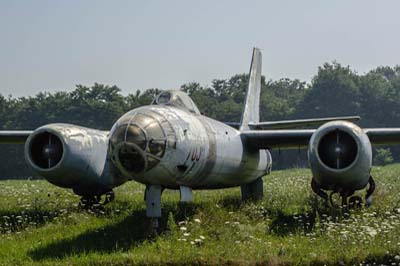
(41, 224)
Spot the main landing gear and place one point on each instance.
(91, 201)
(152, 196)
(252, 191)
(346, 195)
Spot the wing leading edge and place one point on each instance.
(14, 136)
(382, 136)
(287, 124)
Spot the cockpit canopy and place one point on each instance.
(176, 98)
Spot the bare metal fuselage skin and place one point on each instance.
(200, 153)
(83, 164)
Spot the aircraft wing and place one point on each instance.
(14, 136)
(296, 123)
(287, 124)
(274, 139)
(381, 136)
(299, 138)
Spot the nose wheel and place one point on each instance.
(347, 196)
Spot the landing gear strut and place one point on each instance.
(346, 195)
(317, 190)
(370, 191)
(252, 191)
(153, 205)
(90, 201)
(152, 197)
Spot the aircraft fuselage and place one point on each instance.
(197, 151)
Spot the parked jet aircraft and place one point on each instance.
(169, 144)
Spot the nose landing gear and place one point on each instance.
(346, 195)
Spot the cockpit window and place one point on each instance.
(154, 130)
(164, 98)
(177, 99)
(128, 154)
(135, 134)
(142, 120)
(157, 140)
(118, 133)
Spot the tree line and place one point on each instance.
(335, 90)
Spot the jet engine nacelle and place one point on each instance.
(69, 156)
(340, 157)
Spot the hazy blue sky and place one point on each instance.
(53, 45)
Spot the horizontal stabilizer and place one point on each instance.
(289, 124)
(233, 124)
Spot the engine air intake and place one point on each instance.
(46, 150)
(337, 149)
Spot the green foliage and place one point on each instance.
(171, 224)
(334, 91)
(41, 224)
(383, 156)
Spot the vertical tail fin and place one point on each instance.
(251, 109)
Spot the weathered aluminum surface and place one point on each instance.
(251, 111)
(202, 152)
(353, 177)
(84, 165)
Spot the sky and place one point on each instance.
(54, 45)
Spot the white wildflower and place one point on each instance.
(371, 231)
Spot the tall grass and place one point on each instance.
(41, 224)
